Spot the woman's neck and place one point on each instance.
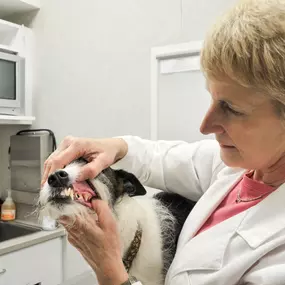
(274, 175)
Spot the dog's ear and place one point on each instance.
(132, 185)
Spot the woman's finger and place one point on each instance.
(93, 168)
(66, 221)
(59, 160)
(47, 167)
(72, 240)
(54, 160)
(106, 220)
(87, 244)
(82, 227)
(89, 260)
(45, 174)
(75, 241)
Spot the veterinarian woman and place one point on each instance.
(236, 232)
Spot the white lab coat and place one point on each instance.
(248, 248)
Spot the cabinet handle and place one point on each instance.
(3, 271)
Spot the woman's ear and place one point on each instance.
(132, 185)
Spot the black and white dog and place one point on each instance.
(149, 226)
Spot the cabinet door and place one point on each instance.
(40, 264)
(182, 104)
(74, 263)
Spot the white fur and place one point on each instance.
(148, 264)
(129, 212)
(102, 190)
(73, 170)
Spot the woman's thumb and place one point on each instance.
(104, 213)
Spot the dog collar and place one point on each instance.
(133, 249)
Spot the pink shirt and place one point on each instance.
(248, 189)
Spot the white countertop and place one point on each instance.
(30, 239)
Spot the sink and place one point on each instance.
(12, 230)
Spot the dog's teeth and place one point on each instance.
(62, 193)
(80, 197)
(72, 195)
(87, 197)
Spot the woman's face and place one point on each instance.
(249, 131)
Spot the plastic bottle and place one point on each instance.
(8, 209)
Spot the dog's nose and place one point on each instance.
(58, 179)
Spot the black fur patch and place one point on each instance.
(131, 185)
(180, 208)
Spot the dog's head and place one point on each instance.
(61, 195)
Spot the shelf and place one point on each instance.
(16, 120)
(9, 35)
(9, 7)
(7, 49)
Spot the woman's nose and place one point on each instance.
(211, 123)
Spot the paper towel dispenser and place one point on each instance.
(28, 151)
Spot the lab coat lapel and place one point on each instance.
(208, 203)
(207, 250)
(204, 255)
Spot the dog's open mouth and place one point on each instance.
(81, 192)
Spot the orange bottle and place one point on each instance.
(8, 209)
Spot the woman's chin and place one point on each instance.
(231, 157)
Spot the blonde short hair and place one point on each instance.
(248, 45)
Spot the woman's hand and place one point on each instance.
(99, 243)
(100, 153)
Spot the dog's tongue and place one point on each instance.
(85, 193)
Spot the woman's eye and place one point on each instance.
(225, 107)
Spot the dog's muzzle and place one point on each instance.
(63, 191)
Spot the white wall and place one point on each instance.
(93, 73)
(92, 76)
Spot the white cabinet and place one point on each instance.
(10, 7)
(73, 262)
(52, 262)
(19, 40)
(40, 264)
